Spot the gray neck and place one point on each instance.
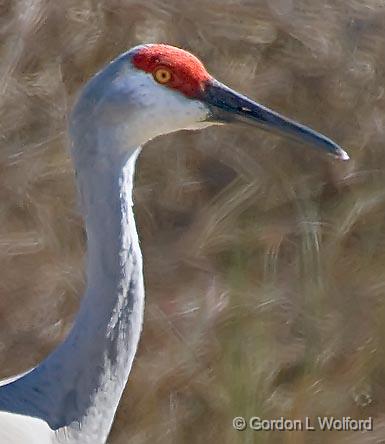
(96, 358)
(81, 382)
(103, 342)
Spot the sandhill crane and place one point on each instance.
(154, 89)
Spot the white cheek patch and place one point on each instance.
(165, 109)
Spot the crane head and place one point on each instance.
(156, 89)
(180, 71)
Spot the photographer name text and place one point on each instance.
(323, 423)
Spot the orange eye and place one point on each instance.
(162, 75)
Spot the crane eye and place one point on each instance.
(162, 75)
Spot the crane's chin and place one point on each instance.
(228, 106)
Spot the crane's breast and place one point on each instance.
(20, 429)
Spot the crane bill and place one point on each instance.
(226, 106)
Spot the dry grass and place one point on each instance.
(264, 261)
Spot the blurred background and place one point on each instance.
(264, 260)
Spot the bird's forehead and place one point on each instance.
(183, 64)
(148, 57)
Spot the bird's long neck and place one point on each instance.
(96, 358)
(78, 387)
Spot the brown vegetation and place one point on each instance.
(264, 260)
